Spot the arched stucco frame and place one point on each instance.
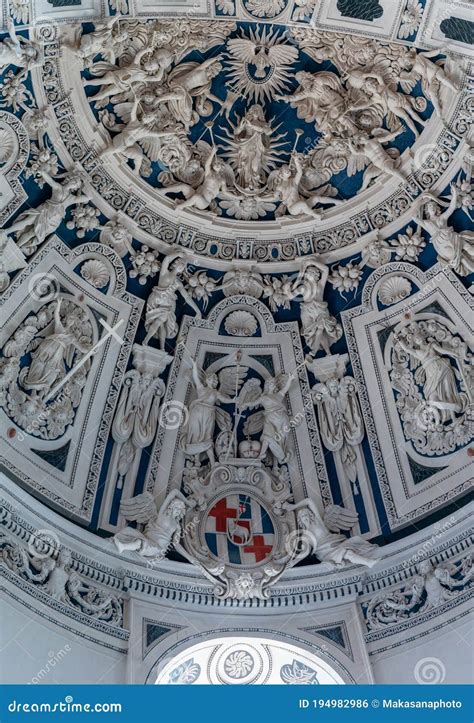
(162, 655)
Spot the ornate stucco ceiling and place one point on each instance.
(236, 258)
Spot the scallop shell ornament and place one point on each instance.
(7, 145)
(394, 289)
(96, 273)
(240, 323)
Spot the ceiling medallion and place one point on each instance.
(227, 123)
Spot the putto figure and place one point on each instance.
(216, 177)
(286, 183)
(432, 75)
(137, 129)
(20, 52)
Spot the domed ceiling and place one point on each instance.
(236, 251)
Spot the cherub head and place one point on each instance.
(164, 57)
(217, 165)
(311, 273)
(30, 52)
(255, 112)
(407, 60)
(333, 387)
(64, 557)
(372, 85)
(304, 78)
(285, 171)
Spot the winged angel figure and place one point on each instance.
(320, 98)
(432, 75)
(273, 420)
(217, 175)
(203, 411)
(158, 529)
(368, 151)
(287, 183)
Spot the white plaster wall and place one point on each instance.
(450, 647)
(28, 642)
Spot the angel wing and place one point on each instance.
(408, 81)
(338, 518)
(254, 424)
(152, 147)
(223, 420)
(357, 162)
(228, 174)
(138, 38)
(282, 55)
(243, 49)
(141, 508)
(250, 392)
(327, 79)
(281, 380)
(231, 379)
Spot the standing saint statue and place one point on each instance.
(251, 149)
(204, 412)
(273, 421)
